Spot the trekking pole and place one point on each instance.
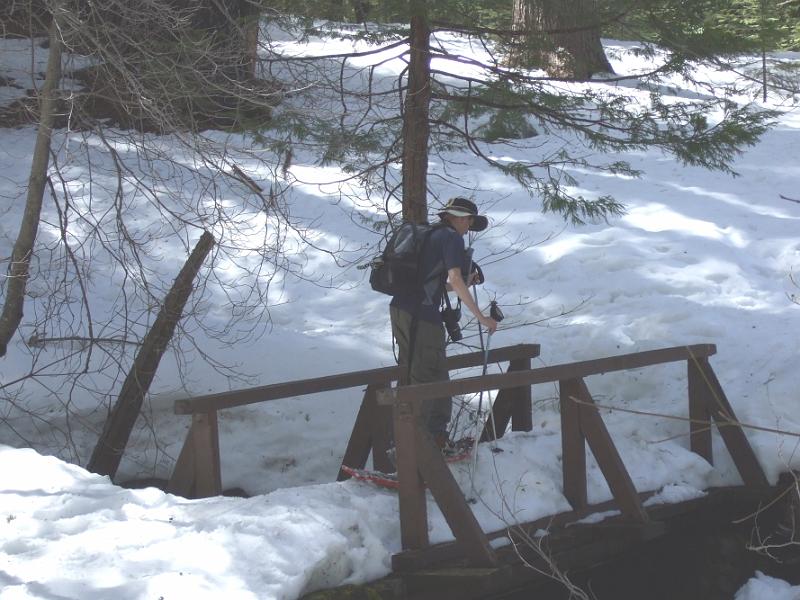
(491, 408)
(480, 336)
(478, 420)
(497, 315)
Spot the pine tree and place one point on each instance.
(558, 133)
(561, 38)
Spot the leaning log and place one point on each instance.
(119, 425)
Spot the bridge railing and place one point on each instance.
(420, 464)
(197, 472)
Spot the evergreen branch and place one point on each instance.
(345, 55)
(523, 32)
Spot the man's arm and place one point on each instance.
(472, 278)
(456, 283)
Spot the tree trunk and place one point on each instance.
(19, 267)
(180, 64)
(25, 19)
(117, 430)
(563, 38)
(233, 27)
(361, 10)
(416, 128)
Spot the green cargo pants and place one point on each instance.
(428, 364)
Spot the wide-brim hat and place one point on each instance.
(461, 207)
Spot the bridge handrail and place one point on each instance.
(576, 370)
(420, 463)
(384, 375)
(197, 471)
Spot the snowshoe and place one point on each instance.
(452, 452)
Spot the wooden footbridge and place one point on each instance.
(477, 564)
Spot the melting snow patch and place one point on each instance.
(674, 493)
(762, 587)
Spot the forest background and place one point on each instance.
(223, 141)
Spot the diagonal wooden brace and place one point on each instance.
(451, 502)
(593, 429)
(729, 427)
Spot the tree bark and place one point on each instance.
(173, 65)
(563, 38)
(416, 128)
(361, 10)
(233, 26)
(19, 267)
(117, 430)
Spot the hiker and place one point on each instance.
(415, 314)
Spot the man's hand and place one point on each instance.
(489, 323)
(456, 281)
(474, 279)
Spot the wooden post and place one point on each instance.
(381, 428)
(699, 414)
(499, 415)
(513, 404)
(205, 446)
(452, 503)
(197, 472)
(729, 428)
(573, 446)
(182, 481)
(608, 459)
(360, 442)
(522, 406)
(413, 507)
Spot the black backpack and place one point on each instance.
(397, 269)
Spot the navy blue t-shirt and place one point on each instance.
(444, 251)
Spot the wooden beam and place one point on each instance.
(450, 551)
(411, 490)
(451, 502)
(499, 416)
(699, 413)
(522, 404)
(385, 375)
(205, 442)
(714, 503)
(730, 429)
(360, 442)
(382, 438)
(608, 459)
(181, 483)
(513, 404)
(457, 583)
(576, 370)
(573, 445)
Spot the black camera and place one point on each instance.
(451, 318)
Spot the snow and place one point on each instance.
(761, 586)
(700, 257)
(70, 533)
